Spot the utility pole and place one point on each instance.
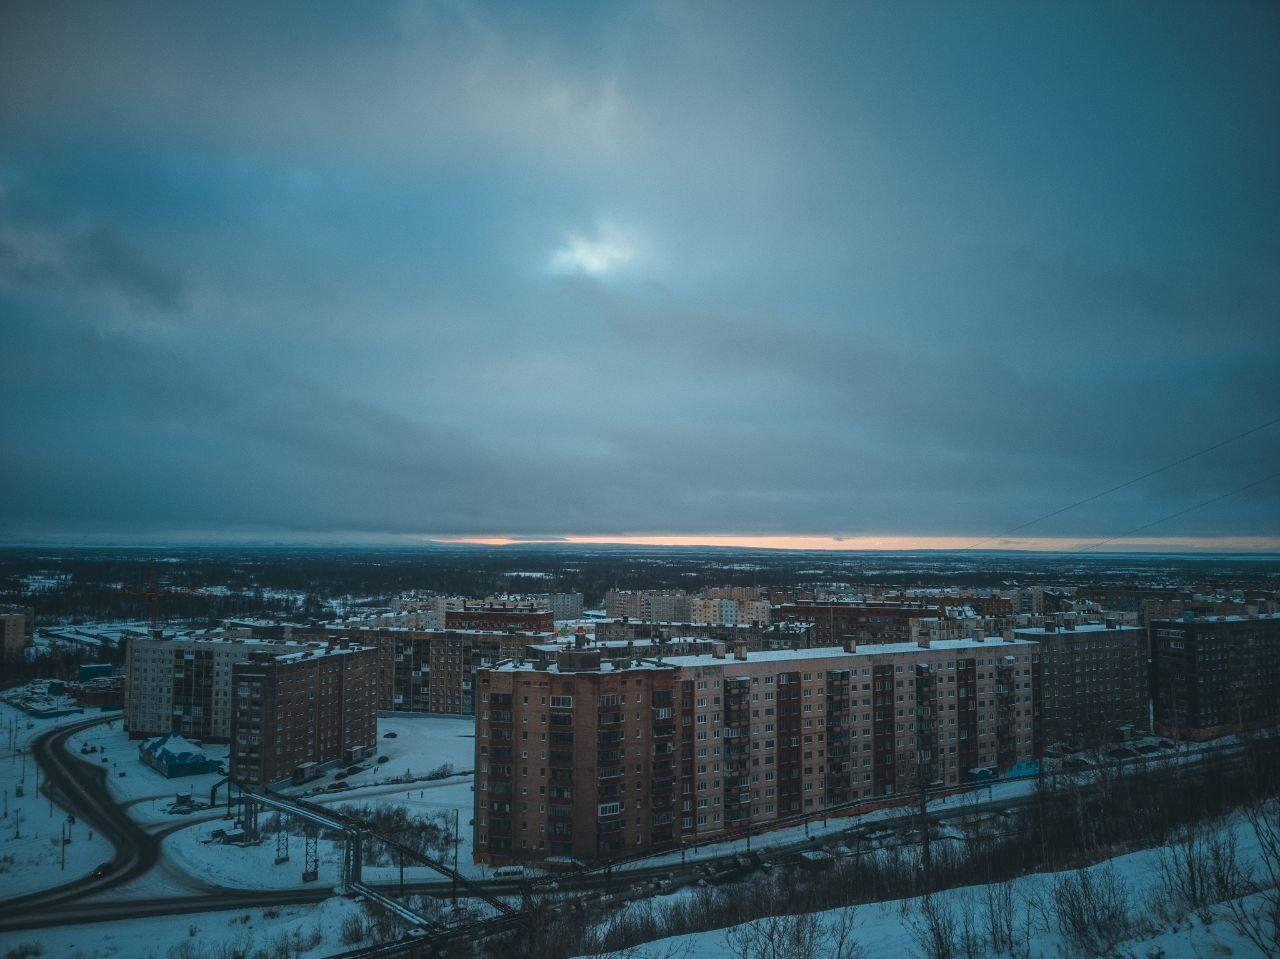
(926, 853)
(457, 838)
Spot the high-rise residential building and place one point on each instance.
(649, 605)
(17, 629)
(562, 605)
(1212, 675)
(588, 757)
(490, 616)
(310, 707)
(727, 611)
(1094, 681)
(836, 622)
(182, 684)
(433, 670)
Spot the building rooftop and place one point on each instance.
(1234, 618)
(832, 652)
(1078, 628)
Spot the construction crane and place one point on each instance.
(152, 593)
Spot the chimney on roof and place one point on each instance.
(717, 650)
(850, 644)
(580, 638)
(924, 642)
(740, 651)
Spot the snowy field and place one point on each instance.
(299, 932)
(891, 928)
(146, 793)
(31, 828)
(421, 745)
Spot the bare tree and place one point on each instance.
(777, 937)
(840, 941)
(998, 915)
(1093, 910)
(1257, 917)
(934, 927)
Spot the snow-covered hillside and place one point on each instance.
(1140, 905)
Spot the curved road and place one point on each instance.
(81, 788)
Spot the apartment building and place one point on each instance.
(836, 622)
(587, 757)
(648, 605)
(1213, 675)
(561, 605)
(182, 684)
(309, 707)
(1094, 680)
(493, 616)
(756, 637)
(433, 670)
(727, 611)
(17, 629)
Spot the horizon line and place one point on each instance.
(1155, 545)
(897, 544)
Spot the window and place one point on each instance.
(561, 702)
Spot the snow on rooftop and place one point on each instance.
(1078, 628)
(831, 652)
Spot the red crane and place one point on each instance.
(152, 595)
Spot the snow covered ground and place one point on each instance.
(886, 929)
(309, 931)
(31, 827)
(146, 793)
(421, 744)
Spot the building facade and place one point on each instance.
(1094, 681)
(1214, 675)
(314, 706)
(182, 684)
(585, 757)
(433, 670)
(726, 611)
(648, 605)
(835, 623)
(17, 629)
(499, 617)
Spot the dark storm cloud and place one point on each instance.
(657, 267)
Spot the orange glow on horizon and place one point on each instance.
(1154, 544)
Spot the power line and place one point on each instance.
(1181, 512)
(1128, 483)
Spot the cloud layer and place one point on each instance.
(650, 268)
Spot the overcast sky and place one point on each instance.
(455, 269)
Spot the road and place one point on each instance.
(81, 788)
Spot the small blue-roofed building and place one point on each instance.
(172, 756)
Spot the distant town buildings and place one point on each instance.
(17, 628)
(433, 671)
(499, 616)
(835, 623)
(728, 611)
(650, 605)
